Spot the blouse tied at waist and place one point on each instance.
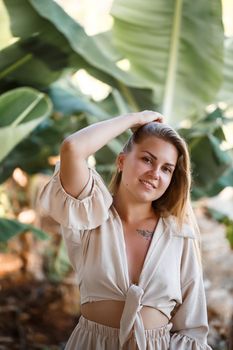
(131, 317)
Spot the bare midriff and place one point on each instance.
(109, 312)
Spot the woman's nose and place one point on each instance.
(156, 173)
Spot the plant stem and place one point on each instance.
(172, 66)
(15, 65)
(27, 110)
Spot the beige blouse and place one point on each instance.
(171, 279)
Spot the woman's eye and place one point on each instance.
(147, 160)
(167, 170)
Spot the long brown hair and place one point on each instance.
(174, 200)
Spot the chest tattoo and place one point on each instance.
(145, 233)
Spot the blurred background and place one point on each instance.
(67, 64)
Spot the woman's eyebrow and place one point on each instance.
(153, 156)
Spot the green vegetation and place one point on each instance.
(179, 63)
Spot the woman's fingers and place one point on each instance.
(151, 116)
(146, 117)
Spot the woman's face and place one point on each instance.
(148, 168)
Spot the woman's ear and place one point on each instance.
(120, 161)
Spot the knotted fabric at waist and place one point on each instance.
(131, 317)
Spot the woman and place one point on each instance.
(135, 249)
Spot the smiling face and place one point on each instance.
(148, 168)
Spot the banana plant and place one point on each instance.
(166, 50)
(175, 53)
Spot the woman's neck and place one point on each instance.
(131, 211)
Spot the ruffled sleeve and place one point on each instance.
(189, 319)
(86, 212)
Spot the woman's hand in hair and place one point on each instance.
(145, 117)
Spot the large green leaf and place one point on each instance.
(68, 99)
(80, 42)
(212, 167)
(38, 56)
(57, 38)
(211, 124)
(177, 46)
(223, 181)
(209, 165)
(44, 142)
(21, 65)
(21, 110)
(72, 112)
(11, 228)
(104, 41)
(226, 91)
(45, 48)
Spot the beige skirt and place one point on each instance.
(89, 335)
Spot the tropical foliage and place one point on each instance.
(178, 63)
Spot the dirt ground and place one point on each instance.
(33, 315)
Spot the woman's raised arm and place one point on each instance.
(77, 147)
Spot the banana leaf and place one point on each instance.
(21, 110)
(47, 33)
(11, 228)
(211, 168)
(71, 113)
(226, 92)
(176, 46)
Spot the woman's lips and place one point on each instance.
(148, 184)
